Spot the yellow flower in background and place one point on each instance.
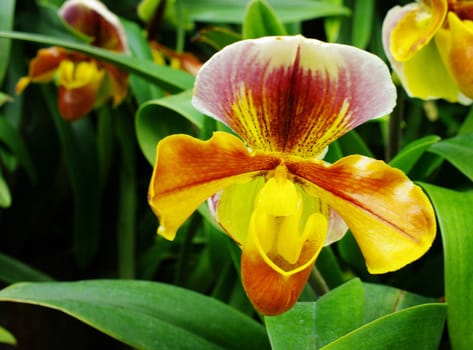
(288, 98)
(83, 81)
(430, 46)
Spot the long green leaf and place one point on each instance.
(168, 78)
(7, 9)
(418, 327)
(13, 270)
(411, 153)
(456, 225)
(362, 22)
(457, 150)
(146, 315)
(232, 11)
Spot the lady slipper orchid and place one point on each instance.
(430, 46)
(288, 98)
(83, 81)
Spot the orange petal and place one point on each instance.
(93, 19)
(79, 84)
(272, 283)
(390, 217)
(292, 94)
(43, 67)
(412, 27)
(270, 292)
(188, 171)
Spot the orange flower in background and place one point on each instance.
(83, 82)
(288, 98)
(184, 61)
(430, 46)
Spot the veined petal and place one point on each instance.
(92, 18)
(455, 46)
(391, 218)
(43, 67)
(414, 27)
(292, 94)
(188, 171)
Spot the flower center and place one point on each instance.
(284, 241)
(73, 75)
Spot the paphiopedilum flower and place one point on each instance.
(430, 46)
(288, 98)
(83, 81)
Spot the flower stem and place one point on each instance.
(181, 30)
(318, 283)
(394, 127)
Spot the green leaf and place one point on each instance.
(13, 270)
(232, 11)
(352, 143)
(4, 98)
(457, 150)
(456, 225)
(146, 315)
(6, 337)
(5, 194)
(411, 153)
(170, 79)
(7, 10)
(12, 139)
(332, 24)
(311, 325)
(362, 22)
(381, 300)
(162, 117)
(260, 20)
(418, 327)
(467, 125)
(78, 141)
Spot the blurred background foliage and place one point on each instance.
(73, 195)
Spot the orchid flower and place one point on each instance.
(83, 81)
(430, 46)
(288, 98)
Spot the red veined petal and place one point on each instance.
(391, 218)
(93, 19)
(292, 94)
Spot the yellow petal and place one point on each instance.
(391, 218)
(188, 171)
(425, 76)
(416, 25)
(455, 45)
